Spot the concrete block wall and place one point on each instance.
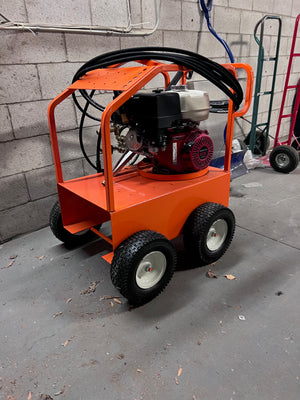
(35, 68)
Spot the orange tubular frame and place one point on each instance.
(133, 202)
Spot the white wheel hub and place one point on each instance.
(217, 234)
(151, 269)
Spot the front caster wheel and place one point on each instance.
(142, 266)
(62, 234)
(208, 232)
(284, 159)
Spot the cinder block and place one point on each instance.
(148, 14)
(248, 21)
(24, 155)
(288, 26)
(289, 99)
(14, 10)
(104, 99)
(282, 64)
(59, 12)
(213, 92)
(221, 3)
(284, 48)
(264, 104)
(136, 12)
(23, 48)
(21, 83)
(295, 69)
(241, 4)
(157, 82)
(25, 218)
(209, 46)
(110, 13)
(271, 27)
(181, 40)
(283, 7)
(13, 191)
(69, 143)
(170, 15)
(295, 8)
(227, 20)
(252, 61)
(297, 44)
(55, 78)
(254, 48)
(87, 168)
(279, 84)
(84, 47)
(239, 45)
(30, 119)
(6, 132)
(266, 5)
(42, 182)
(156, 39)
(277, 100)
(193, 18)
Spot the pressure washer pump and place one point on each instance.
(173, 189)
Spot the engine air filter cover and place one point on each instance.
(198, 151)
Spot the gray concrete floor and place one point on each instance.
(204, 339)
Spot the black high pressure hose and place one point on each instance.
(209, 69)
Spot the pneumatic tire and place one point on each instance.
(262, 143)
(142, 266)
(284, 159)
(208, 232)
(62, 234)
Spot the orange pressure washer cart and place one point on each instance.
(146, 210)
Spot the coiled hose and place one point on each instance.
(209, 69)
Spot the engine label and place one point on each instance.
(174, 153)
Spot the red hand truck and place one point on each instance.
(285, 154)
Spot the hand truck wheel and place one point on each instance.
(284, 159)
(208, 232)
(65, 236)
(262, 143)
(142, 266)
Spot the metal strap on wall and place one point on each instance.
(130, 30)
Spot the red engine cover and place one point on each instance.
(187, 151)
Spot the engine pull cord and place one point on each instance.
(207, 8)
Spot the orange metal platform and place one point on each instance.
(140, 203)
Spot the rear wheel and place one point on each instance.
(284, 159)
(262, 143)
(62, 234)
(208, 232)
(142, 266)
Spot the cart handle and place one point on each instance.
(261, 22)
(233, 114)
(249, 88)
